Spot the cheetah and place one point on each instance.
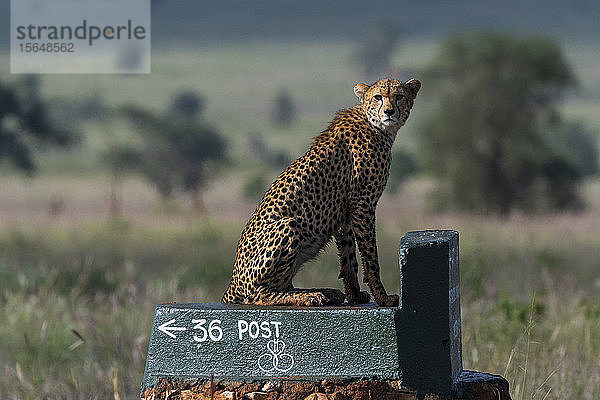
(329, 192)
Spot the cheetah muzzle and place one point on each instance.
(329, 192)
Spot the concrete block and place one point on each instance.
(418, 342)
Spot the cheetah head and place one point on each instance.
(387, 102)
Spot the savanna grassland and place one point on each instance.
(78, 289)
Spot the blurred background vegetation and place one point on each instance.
(118, 192)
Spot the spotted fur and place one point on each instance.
(329, 192)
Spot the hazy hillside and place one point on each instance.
(194, 21)
(189, 22)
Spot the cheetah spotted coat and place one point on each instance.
(329, 192)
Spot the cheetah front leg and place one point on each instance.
(363, 222)
(272, 268)
(346, 246)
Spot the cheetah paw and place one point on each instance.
(388, 301)
(360, 297)
(334, 296)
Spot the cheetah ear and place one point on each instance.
(413, 86)
(359, 90)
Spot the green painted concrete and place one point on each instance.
(418, 342)
(273, 342)
(430, 332)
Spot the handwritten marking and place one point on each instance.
(265, 329)
(275, 359)
(165, 328)
(214, 332)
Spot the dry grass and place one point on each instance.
(78, 290)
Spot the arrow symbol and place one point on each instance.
(165, 328)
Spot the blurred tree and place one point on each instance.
(576, 158)
(581, 149)
(177, 154)
(80, 110)
(497, 141)
(119, 159)
(374, 54)
(26, 122)
(187, 104)
(257, 149)
(284, 109)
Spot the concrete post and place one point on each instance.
(418, 343)
(429, 330)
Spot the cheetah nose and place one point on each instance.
(389, 112)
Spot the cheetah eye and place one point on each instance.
(399, 97)
(377, 97)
